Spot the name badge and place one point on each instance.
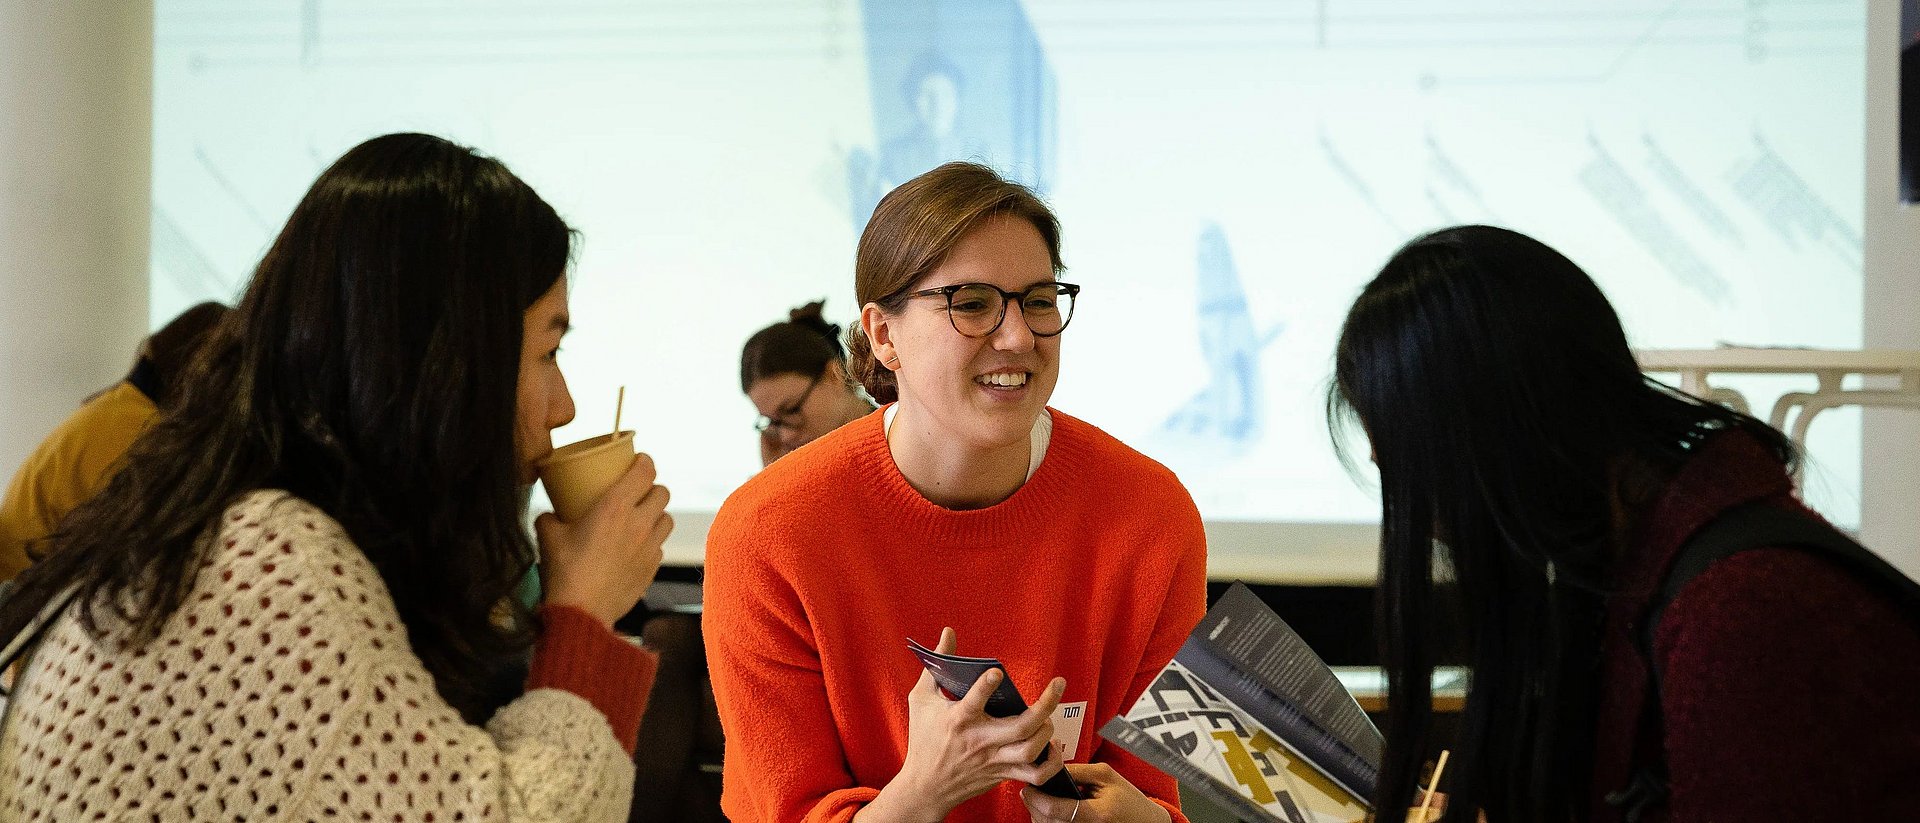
(1067, 720)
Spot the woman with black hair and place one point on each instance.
(795, 374)
(1536, 487)
(292, 601)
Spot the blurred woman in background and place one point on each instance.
(795, 374)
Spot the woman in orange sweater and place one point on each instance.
(967, 509)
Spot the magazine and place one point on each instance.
(1249, 717)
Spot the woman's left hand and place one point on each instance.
(1109, 799)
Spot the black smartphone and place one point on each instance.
(956, 675)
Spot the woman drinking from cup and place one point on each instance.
(291, 602)
(965, 509)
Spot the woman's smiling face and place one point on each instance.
(985, 391)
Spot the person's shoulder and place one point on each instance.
(274, 551)
(119, 414)
(1741, 581)
(276, 516)
(1103, 458)
(123, 399)
(782, 515)
(1778, 603)
(98, 433)
(816, 470)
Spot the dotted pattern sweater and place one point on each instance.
(285, 689)
(821, 567)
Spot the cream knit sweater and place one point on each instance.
(284, 689)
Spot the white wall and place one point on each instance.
(76, 123)
(1890, 496)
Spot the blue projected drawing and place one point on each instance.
(953, 80)
(1227, 411)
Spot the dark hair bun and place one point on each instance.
(802, 345)
(810, 317)
(808, 312)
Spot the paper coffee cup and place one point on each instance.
(578, 473)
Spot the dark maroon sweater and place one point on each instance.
(1790, 688)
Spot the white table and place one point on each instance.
(1830, 367)
(1368, 685)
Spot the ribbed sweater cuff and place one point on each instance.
(841, 805)
(1171, 809)
(577, 653)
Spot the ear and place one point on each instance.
(873, 321)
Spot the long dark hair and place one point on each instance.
(1515, 436)
(802, 345)
(371, 370)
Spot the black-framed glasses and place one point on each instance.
(787, 416)
(978, 309)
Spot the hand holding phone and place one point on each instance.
(957, 676)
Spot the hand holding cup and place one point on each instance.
(601, 547)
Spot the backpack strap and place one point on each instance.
(1747, 526)
(1754, 525)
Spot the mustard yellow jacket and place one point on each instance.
(71, 465)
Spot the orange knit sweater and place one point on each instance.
(821, 567)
